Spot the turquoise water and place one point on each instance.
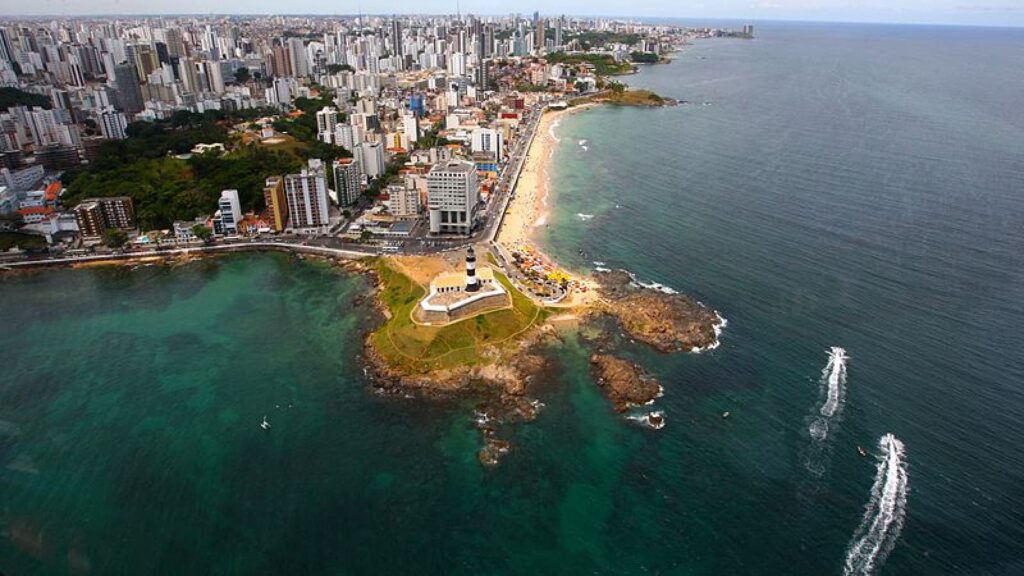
(847, 186)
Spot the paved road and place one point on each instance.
(330, 245)
(226, 247)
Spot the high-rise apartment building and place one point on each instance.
(277, 206)
(94, 215)
(452, 197)
(229, 213)
(306, 195)
(112, 124)
(129, 92)
(348, 180)
(371, 159)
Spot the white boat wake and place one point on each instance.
(833, 383)
(827, 413)
(885, 513)
(835, 375)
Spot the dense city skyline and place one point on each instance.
(946, 12)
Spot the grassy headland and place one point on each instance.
(625, 98)
(410, 348)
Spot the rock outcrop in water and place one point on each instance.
(625, 383)
(666, 322)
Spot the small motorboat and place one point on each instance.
(862, 451)
(265, 425)
(725, 414)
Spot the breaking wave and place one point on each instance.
(654, 420)
(650, 285)
(551, 130)
(584, 217)
(720, 325)
(885, 513)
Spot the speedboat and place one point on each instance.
(862, 451)
(265, 425)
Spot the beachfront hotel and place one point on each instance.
(452, 197)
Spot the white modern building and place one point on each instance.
(326, 120)
(113, 124)
(230, 210)
(403, 202)
(410, 125)
(488, 141)
(452, 197)
(371, 158)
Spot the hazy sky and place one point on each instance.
(983, 12)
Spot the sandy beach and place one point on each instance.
(529, 209)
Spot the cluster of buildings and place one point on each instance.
(441, 94)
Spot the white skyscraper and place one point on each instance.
(452, 197)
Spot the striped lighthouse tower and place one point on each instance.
(472, 282)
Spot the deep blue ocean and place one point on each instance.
(822, 186)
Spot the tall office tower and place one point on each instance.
(558, 32)
(281, 61)
(538, 40)
(6, 48)
(297, 57)
(274, 200)
(145, 60)
(488, 40)
(348, 180)
(483, 74)
(214, 76)
(163, 56)
(452, 197)
(371, 158)
(113, 124)
(230, 210)
(129, 93)
(306, 195)
(396, 37)
(175, 46)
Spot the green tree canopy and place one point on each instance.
(114, 238)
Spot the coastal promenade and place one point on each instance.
(221, 248)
